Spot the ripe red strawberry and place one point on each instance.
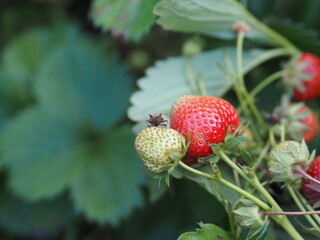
(311, 193)
(304, 76)
(205, 119)
(311, 122)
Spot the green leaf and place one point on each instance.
(42, 152)
(246, 157)
(260, 234)
(108, 188)
(79, 81)
(210, 17)
(207, 231)
(297, 33)
(166, 81)
(131, 18)
(233, 142)
(24, 56)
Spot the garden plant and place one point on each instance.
(159, 119)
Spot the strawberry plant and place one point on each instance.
(159, 119)
(194, 92)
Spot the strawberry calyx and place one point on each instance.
(286, 157)
(295, 73)
(156, 120)
(303, 76)
(297, 120)
(247, 214)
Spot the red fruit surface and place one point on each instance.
(205, 119)
(311, 122)
(312, 86)
(313, 171)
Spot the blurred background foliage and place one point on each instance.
(67, 70)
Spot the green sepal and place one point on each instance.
(235, 141)
(246, 156)
(284, 159)
(312, 156)
(260, 234)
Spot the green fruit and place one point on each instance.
(285, 157)
(154, 145)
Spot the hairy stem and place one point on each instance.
(273, 53)
(307, 205)
(306, 175)
(233, 165)
(244, 193)
(242, 87)
(264, 83)
(301, 206)
(291, 213)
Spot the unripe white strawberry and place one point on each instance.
(154, 145)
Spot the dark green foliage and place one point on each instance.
(68, 166)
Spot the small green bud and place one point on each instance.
(247, 214)
(192, 47)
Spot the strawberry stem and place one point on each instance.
(291, 213)
(242, 86)
(273, 53)
(301, 206)
(265, 82)
(306, 175)
(233, 165)
(307, 205)
(244, 193)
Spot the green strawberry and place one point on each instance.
(155, 145)
(285, 157)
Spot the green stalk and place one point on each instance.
(276, 37)
(242, 85)
(307, 205)
(233, 165)
(262, 155)
(280, 219)
(244, 193)
(300, 206)
(277, 52)
(254, 181)
(266, 82)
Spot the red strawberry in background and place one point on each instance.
(304, 77)
(310, 190)
(311, 122)
(298, 119)
(205, 119)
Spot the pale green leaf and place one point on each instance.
(210, 17)
(42, 152)
(206, 232)
(127, 17)
(166, 81)
(108, 188)
(79, 81)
